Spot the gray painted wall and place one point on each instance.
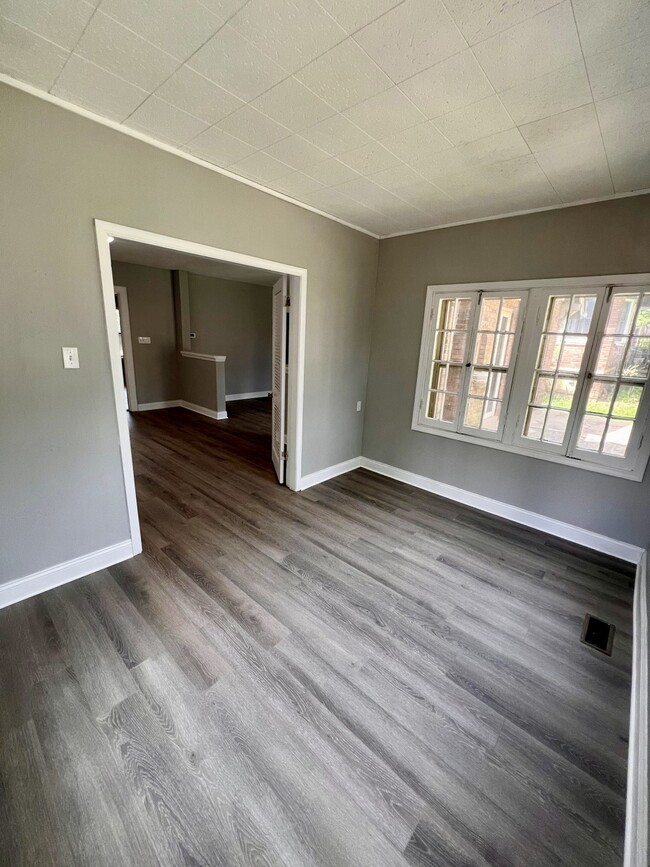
(151, 311)
(606, 238)
(234, 319)
(61, 489)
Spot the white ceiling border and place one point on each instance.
(118, 127)
(170, 149)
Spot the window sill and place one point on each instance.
(634, 475)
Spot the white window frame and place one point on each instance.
(521, 374)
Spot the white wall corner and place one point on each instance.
(595, 541)
(47, 579)
(329, 473)
(203, 410)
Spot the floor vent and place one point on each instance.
(598, 634)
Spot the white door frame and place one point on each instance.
(104, 232)
(127, 348)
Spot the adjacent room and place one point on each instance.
(324, 502)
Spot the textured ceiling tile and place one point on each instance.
(396, 178)
(192, 92)
(495, 148)
(336, 134)
(216, 146)
(480, 19)
(437, 166)
(352, 16)
(425, 196)
(91, 87)
(577, 172)
(28, 57)
(369, 158)
(416, 142)
(179, 28)
(568, 128)
(236, 65)
(625, 110)
(452, 84)
(412, 37)
(166, 122)
(296, 152)
(537, 46)
(292, 104)
(474, 121)
(224, 8)
(605, 24)
(59, 21)
(296, 184)
(260, 167)
(253, 127)
(113, 47)
(620, 69)
(557, 91)
(365, 191)
(387, 113)
(331, 172)
(291, 32)
(629, 157)
(344, 76)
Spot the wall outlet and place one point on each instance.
(70, 356)
(358, 406)
(144, 340)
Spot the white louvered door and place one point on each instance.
(279, 411)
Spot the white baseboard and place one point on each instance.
(614, 547)
(39, 582)
(636, 810)
(203, 410)
(329, 473)
(248, 395)
(161, 404)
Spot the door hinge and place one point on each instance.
(288, 301)
(284, 454)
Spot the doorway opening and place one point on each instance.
(287, 286)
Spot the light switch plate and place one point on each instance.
(144, 340)
(70, 356)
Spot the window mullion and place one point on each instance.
(585, 378)
(467, 362)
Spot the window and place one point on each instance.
(558, 370)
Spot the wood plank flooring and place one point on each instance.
(360, 674)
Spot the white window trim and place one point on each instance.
(561, 284)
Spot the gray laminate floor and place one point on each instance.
(362, 674)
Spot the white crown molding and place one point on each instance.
(523, 213)
(170, 149)
(47, 579)
(143, 137)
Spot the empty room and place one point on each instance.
(324, 432)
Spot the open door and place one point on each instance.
(279, 409)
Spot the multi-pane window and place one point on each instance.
(472, 343)
(559, 362)
(558, 370)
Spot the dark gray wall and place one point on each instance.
(605, 238)
(61, 488)
(151, 311)
(234, 319)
